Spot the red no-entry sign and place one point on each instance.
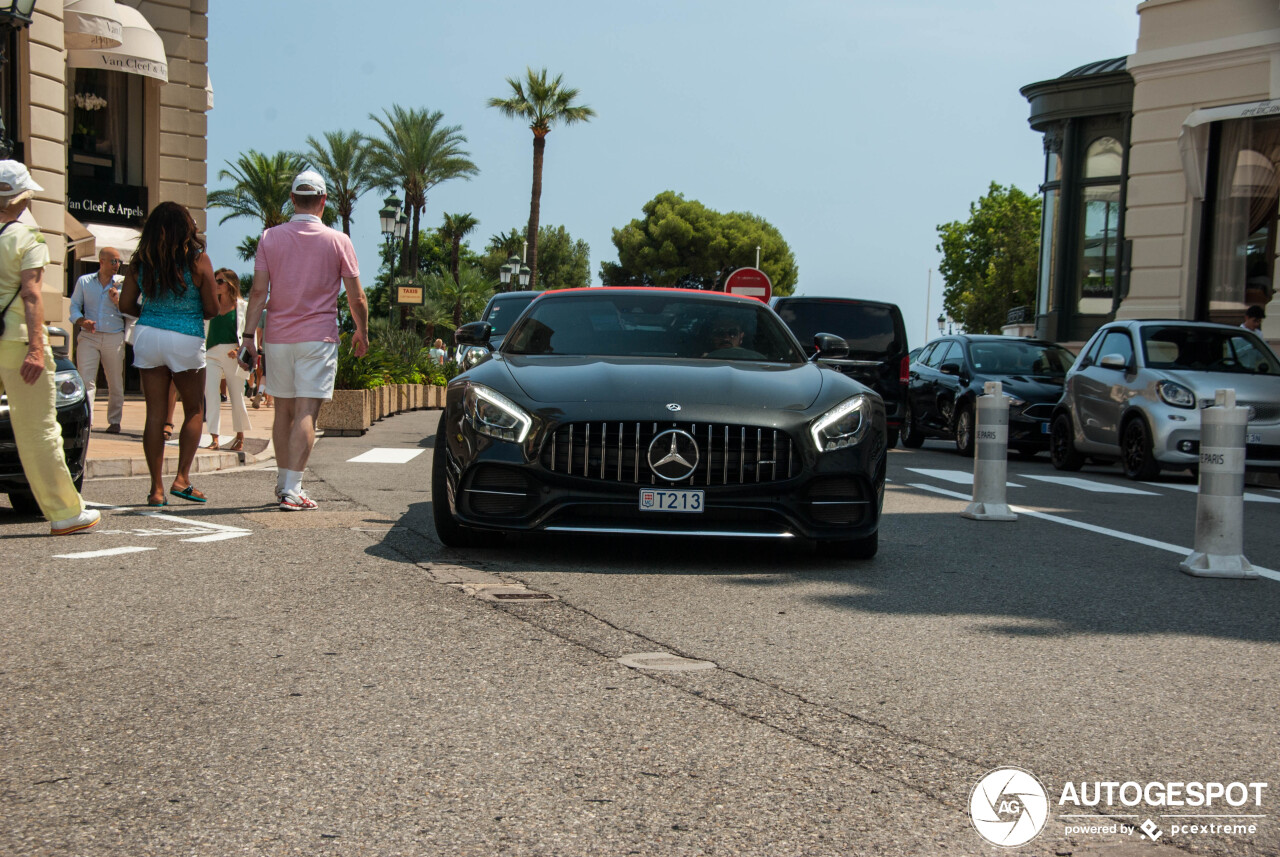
(751, 283)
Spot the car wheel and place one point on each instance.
(912, 437)
(451, 533)
(1062, 449)
(24, 503)
(964, 430)
(891, 437)
(863, 548)
(1136, 457)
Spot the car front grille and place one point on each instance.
(498, 491)
(838, 500)
(618, 452)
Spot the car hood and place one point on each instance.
(1249, 388)
(1029, 388)
(634, 380)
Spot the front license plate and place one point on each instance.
(674, 500)
(1253, 438)
(1044, 428)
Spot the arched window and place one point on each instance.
(1099, 236)
(1104, 158)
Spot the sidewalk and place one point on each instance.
(121, 454)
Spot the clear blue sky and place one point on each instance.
(854, 127)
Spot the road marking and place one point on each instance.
(197, 523)
(1089, 485)
(1248, 495)
(959, 477)
(1080, 525)
(106, 552)
(219, 537)
(386, 455)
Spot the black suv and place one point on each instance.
(502, 311)
(877, 341)
(73, 419)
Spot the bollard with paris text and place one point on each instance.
(991, 457)
(1219, 546)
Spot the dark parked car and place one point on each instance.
(73, 418)
(660, 412)
(502, 311)
(950, 373)
(877, 341)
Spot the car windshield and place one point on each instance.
(870, 329)
(504, 311)
(613, 323)
(1207, 349)
(993, 357)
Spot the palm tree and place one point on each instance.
(450, 300)
(455, 227)
(260, 187)
(543, 103)
(343, 160)
(417, 153)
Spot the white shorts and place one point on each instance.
(154, 347)
(301, 370)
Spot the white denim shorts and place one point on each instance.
(154, 347)
(301, 370)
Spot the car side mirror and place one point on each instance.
(1113, 361)
(949, 368)
(57, 340)
(474, 333)
(829, 345)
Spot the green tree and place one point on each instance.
(683, 243)
(343, 159)
(453, 230)
(416, 153)
(566, 263)
(470, 291)
(260, 187)
(542, 103)
(989, 261)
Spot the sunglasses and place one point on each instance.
(221, 282)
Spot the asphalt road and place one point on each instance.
(246, 681)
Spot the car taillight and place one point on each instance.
(904, 371)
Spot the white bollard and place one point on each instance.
(1219, 541)
(990, 457)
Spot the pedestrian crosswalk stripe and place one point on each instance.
(94, 554)
(1089, 485)
(959, 477)
(1248, 495)
(386, 455)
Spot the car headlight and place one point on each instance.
(69, 387)
(495, 415)
(1176, 395)
(1014, 401)
(844, 425)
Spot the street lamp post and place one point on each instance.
(942, 324)
(394, 224)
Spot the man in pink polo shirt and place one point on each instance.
(301, 265)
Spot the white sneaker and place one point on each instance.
(85, 521)
(296, 501)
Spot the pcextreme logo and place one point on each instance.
(1010, 807)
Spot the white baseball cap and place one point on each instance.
(309, 183)
(15, 180)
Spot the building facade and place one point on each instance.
(106, 104)
(1160, 188)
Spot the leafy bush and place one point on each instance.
(361, 373)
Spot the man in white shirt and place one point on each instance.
(95, 312)
(1253, 317)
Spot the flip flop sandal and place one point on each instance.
(168, 431)
(163, 502)
(189, 493)
(236, 445)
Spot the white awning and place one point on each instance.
(1193, 141)
(142, 51)
(79, 239)
(123, 238)
(91, 25)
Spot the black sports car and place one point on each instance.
(658, 411)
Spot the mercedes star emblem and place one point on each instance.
(673, 455)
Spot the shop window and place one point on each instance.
(1099, 235)
(10, 69)
(106, 110)
(1243, 249)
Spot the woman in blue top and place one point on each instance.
(170, 288)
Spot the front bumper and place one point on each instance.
(73, 419)
(1176, 440)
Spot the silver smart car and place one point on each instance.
(1136, 391)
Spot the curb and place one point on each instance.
(116, 468)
